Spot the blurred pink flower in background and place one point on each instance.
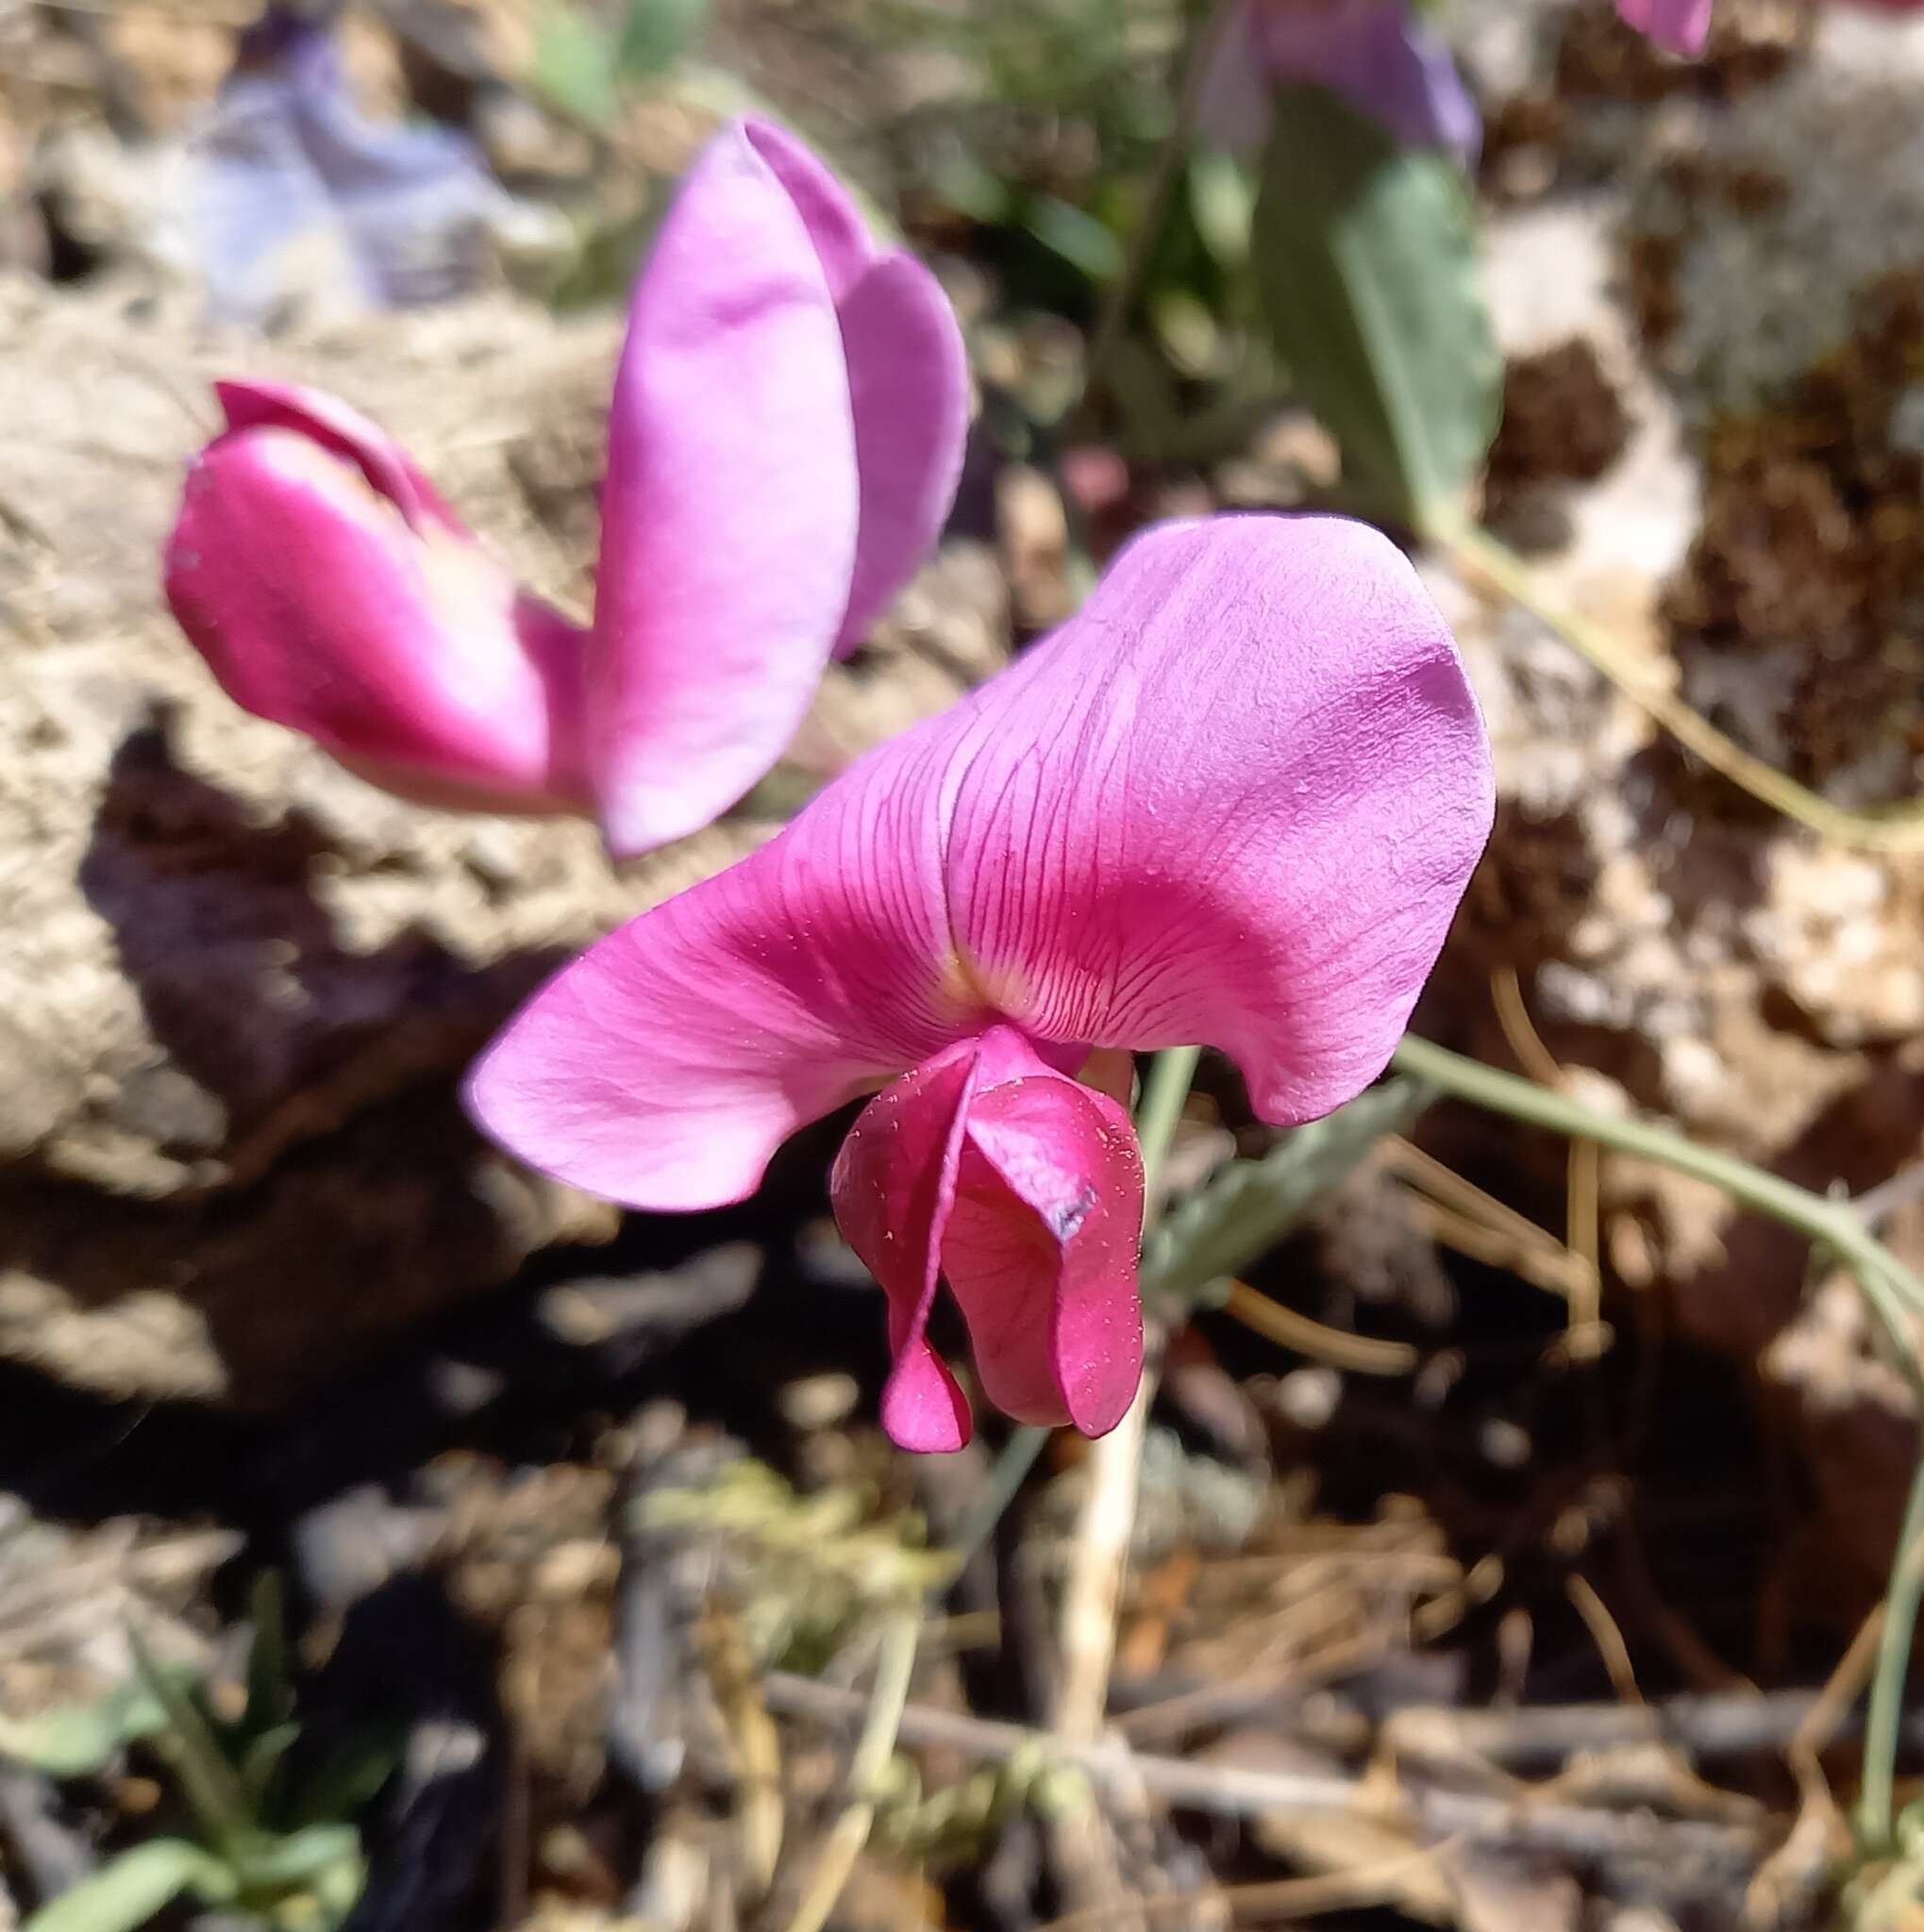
(1235, 801)
(1679, 25)
(785, 439)
(1682, 27)
(1382, 59)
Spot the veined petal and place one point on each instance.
(1681, 26)
(330, 590)
(664, 1067)
(1234, 801)
(731, 506)
(894, 1186)
(908, 381)
(1041, 1244)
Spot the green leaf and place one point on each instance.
(349, 1777)
(260, 1759)
(654, 34)
(1249, 1204)
(297, 1860)
(121, 1896)
(1367, 270)
(270, 1684)
(575, 62)
(1222, 204)
(1078, 238)
(193, 1751)
(79, 1739)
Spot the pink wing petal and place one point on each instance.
(894, 1186)
(318, 605)
(731, 506)
(1040, 1246)
(1679, 25)
(665, 1066)
(908, 381)
(1234, 801)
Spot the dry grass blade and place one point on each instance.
(1362, 1354)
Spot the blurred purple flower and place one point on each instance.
(1376, 53)
(287, 159)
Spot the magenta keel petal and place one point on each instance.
(893, 1188)
(1041, 1246)
(1681, 26)
(1025, 1190)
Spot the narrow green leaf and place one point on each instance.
(655, 33)
(193, 1752)
(575, 62)
(349, 1777)
(122, 1895)
(297, 1860)
(1367, 270)
(78, 1740)
(270, 1683)
(260, 1759)
(1065, 230)
(1249, 1204)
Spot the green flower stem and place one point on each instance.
(1018, 1456)
(1895, 828)
(1876, 1816)
(1890, 1288)
(1835, 1225)
(1164, 1093)
(894, 1667)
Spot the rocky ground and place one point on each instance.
(594, 1498)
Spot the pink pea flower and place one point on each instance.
(1681, 27)
(1234, 801)
(785, 439)
(1378, 54)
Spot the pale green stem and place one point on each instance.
(1834, 1223)
(1885, 1719)
(1164, 1093)
(1012, 1466)
(894, 1667)
(1886, 1284)
(1895, 828)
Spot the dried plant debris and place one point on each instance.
(1800, 612)
(68, 1599)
